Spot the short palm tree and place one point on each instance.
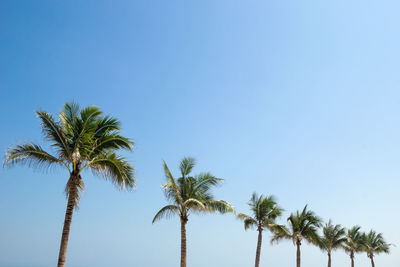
(264, 213)
(190, 194)
(81, 139)
(333, 236)
(353, 243)
(302, 226)
(374, 244)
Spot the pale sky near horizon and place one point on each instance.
(299, 99)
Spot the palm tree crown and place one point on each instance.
(190, 193)
(264, 213)
(80, 138)
(333, 237)
(302, 225)
(374, 244)
(354, 240)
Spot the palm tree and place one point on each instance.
(333, 237)
(302, 225)
(265, 211)
(189, 194)
(353, 243)
(374, 244)
(81, 139)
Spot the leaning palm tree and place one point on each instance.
(189, 194)
(353, 243)
(333, 236)
(264, 213)
(302, 226)
(374, 244)
(81, 139)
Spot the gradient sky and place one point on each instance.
(299, 99)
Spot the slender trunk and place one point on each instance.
(258, 252)
(298, 244)
(183, 241)
(372, 261)
(329, 259)
(352, 258)
(67, 221)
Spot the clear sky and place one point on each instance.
(299, 99)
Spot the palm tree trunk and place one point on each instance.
(372, 261)
(67, 222)
(352, 259)
(183, 242)
(329, 259)
(258, 252)
(298, 244)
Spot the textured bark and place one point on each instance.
(67, 221)
(372, 261)
(329, 259)
(298, 259)
(352, 258)
(258, 252)
(183, 241)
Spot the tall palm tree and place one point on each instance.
(353, 243)
(264, 213)
(302, 226)
(333, 236)
(81, 139)
(189, 194)
(374, 244)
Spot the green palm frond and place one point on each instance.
(32, 155)
(110, 142)
(186, 165)
(107, 125)
(280, 232)
(248, 221)
(206, 181)
(219, 205)
(115, 168)
(68, 116)
(166, 212)
(170, 188)
(53, 133)
(194, 204)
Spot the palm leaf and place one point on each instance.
(32, 155)
(54, 134)
(115, 168)
(166, 212)
(186, 165)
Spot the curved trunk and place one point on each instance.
(329, 259)
(258, 252)
(72, 190)
(352, 258)
(298, 244)
(183, 242)
(372, 261)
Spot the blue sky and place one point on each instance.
(299, 99)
